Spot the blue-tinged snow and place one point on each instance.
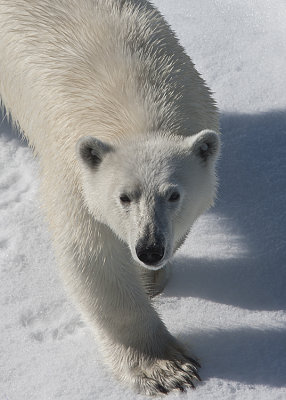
(227, 296)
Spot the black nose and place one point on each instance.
(150, 255)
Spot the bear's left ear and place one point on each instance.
(91, 151)
(205, 145)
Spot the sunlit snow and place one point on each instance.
(227, 296)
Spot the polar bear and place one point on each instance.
(125, 130)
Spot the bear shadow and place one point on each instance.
(247, 355)
(252, 198)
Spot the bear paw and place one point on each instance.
(160, 376)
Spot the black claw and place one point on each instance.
(162, 389)
(180, 387)
(189, 381)
(194, 374)
(194, 362)
(197, 376)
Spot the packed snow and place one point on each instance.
(227, 296)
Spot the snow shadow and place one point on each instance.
(252, 198)
(249, 356)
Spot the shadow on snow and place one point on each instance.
(246, 355)
(252, 198)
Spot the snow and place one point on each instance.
(227, 296)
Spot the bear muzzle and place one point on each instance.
(150, 255)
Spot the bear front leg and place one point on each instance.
(135, 342)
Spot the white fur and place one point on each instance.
(73, 70)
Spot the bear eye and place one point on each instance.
(175, 196)
(125, 199)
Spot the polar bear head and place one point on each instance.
(150, 190)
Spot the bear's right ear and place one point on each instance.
(91, 151)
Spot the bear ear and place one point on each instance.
(91, 151)
(205, 145)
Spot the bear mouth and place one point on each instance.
(153, 267)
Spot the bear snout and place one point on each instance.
(150, 255)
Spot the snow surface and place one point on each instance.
(227, 296)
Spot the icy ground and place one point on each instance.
(227, 297)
